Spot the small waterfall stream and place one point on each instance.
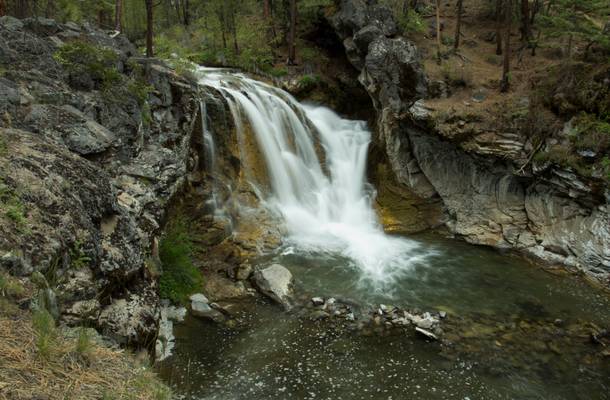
(322, 195)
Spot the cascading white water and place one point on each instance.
(327, 204)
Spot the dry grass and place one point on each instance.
(66, 373)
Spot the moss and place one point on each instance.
(179, 278)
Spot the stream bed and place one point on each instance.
(512, 331)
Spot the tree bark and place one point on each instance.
(526, 31)
(149, 28)
(49, 11)
(118, 15)
(266, 9)
(499, 27)
(458, 24)
(439, 39)
(186, 12)
(2, 8)
(292, 50)
(506, 65)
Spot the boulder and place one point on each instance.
(276, 282)
(200, 307)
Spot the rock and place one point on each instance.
(442, 314)
(319, 315)
(131, 320)
(276, 282)
(317, 301)
(426, 333)
(201, 308)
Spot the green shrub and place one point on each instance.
(180, 278)
(78, 258)
(413, 22)
(83, 343)
(308, 82)
(277, 72)
(10, 287)
(46, 333)
(99, 63)
(12, 207)
(591, 133)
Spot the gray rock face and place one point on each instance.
(90, 180)
(550, 214)
(276, 282)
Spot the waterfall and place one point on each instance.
(316, 163)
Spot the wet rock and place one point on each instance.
(317, 301)
(319, 315)
(201, 308)
(276, 282)
(426, 333)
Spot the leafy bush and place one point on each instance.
(180, 278)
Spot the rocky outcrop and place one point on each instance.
(490, 192)
(87, 173)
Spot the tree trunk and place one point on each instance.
(118, 16)
(186, 12)
(234, 31)
(266, 9)
(439, 39)
(526, 32)
(49, 11)
(506, 65)
(458, 24)
(499, 27)
(570, 40)
(292, 47)
(2, 8)
(149, 28)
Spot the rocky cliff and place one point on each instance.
(92, 155)
(492, 192)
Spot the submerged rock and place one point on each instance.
(277, 283)
(200, 307)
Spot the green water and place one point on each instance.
(506, 340)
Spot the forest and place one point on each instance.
(270, 34)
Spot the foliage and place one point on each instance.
(180, 278)
(573, 19)
(591, 133)
(81, 58)
(78, 257)
(46, 333)
(12, 207)
(9, 286)
(84, 346)
(413, 22)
